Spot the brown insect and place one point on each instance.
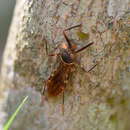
(56, 84)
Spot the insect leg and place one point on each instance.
(72, 27)
(42, 95)
(63, 103)
(67, 39)
(43, 90)
(46, 47)
(81, 49)
(92, 67)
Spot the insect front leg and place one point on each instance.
(67, 39)
(75, 26)
(81, 49)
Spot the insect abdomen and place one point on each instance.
(57, 83)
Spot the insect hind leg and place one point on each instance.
(63, 99)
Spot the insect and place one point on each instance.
(56, 83)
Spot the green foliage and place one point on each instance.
(10, 121)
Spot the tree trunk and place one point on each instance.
(98, 100)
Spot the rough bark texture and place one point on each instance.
(99, 100)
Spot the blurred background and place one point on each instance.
(6, 13)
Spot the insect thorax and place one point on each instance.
(67, 56)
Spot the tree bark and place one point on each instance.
(98, 100)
